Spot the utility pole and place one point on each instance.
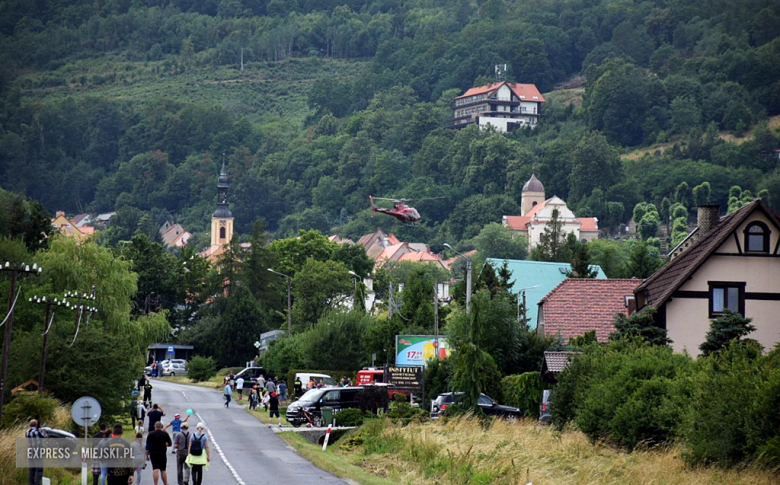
(14, 269)
(79, 308)
(468, 277)
(436, 318)
(289, 299)
(47, 323)
(242, 58)
(390, 301)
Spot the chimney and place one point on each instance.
(707, 218)
(60, 213)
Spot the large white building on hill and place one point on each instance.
(506, 106)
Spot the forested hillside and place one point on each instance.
(129, 105)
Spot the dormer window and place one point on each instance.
(757, 238)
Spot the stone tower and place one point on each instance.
(222, 219)
(533, 194)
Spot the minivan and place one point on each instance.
(314, 400)
(304, 377)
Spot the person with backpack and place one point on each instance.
(199, 454)
(181, 444)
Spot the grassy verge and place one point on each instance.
(342, 464)
(214, 382)
(461, 451)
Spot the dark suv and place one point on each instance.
(314, 400)
(490, 407)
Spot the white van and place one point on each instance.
(327, 380)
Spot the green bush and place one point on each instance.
(523, 391)
(349, 417)
(626, 393)
(405, 412)
(732, 415)
(201, 368)
(26, 406)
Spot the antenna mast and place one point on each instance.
(500, 73)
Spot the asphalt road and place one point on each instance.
(243, 450)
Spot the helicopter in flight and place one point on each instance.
(401, 211)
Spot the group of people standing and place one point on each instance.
(268, 392)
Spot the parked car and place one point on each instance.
(314, 400)
(488, 405)
(544, 407)
(327, 380)
(174, 370)
(163, 364)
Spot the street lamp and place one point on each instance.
(355, 279)
(289, 300)
(525, 309)
(468, 277)
(14, 269)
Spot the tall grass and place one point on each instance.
(9, 474)
(461, 450)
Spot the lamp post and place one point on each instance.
(525, 309)
(355, 279)
(14, 269)
(289, 300)
(468, 278)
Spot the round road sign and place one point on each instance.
(86, 411)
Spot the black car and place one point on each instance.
(315, 399)
(490, 407)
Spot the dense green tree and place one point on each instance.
(552, 242)
(581, 263)
(725, 329)
(335, 342)
(241, 322)
(640, 324)
(641, 262)
(498, 242)
(160, 276)
(594, 165)
(317, 287)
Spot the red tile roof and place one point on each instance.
(579, 305)
(664, 282)
(588, 224)
(519, 223)
(526, 92)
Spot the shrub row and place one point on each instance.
(721, 408)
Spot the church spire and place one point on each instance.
(222, 219)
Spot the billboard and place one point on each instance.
(417, 350)
(406, 378)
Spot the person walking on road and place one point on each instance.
(181, 446)
(148, 392)
(138, 455)
(199, 454)
(157, 444)
(34, 437)
(273, 404)
(119, 447)
(240, 388)
(228, 391)
(155, 416)
(176, 424)
(139, 428)
(282, 391)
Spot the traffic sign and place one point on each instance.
(86, 411)
(170, 349)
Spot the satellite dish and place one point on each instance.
(86, 411)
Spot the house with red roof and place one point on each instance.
(579, 305)
(506, 106)
(538, 211)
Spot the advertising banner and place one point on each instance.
(406, 378)
(417, 350)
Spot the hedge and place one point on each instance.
(523, 391)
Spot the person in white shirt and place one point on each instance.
(240, 387)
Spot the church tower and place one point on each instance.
(533, 194)
(222, 219)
